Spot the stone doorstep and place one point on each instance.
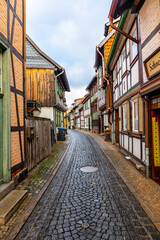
(10, 204)
(6, 188)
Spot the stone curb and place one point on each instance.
(36, 199)
(147, 207)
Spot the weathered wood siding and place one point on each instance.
(40, 146)
(41, 86)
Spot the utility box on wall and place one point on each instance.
(30, 133)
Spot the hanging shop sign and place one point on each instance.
(152, 64)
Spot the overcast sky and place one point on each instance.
(68, 32)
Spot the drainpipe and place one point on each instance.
(103, 64)
(122, 32)
(146, 136)
(56, 103)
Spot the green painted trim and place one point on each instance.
(135, 86)
(6, 116)
(120, 26)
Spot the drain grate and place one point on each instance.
(89, 169)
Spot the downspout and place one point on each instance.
(103, 64)
(56, 103)
(146, 136)
(56, 81)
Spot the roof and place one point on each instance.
(91, 83)
(118, 7)
(86, 97)
(80, 101)
(35, 58)
(98, 58)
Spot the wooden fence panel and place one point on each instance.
(39, 147)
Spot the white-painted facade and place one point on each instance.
(128, 122)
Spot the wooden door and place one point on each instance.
(155, 144)
(117, 125)
(1, 147)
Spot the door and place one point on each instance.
(155, 148)
(1, 142)
(89, 124)
(117, 125)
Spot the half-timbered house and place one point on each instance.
(12, 76)
(104, 83)
(46, 85)
(93, 91)
(128, 118)
(144, 106)
(87, 112)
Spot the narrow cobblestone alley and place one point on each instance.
(87, 205)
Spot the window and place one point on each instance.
(123, 61)
(58, 118)
(125, 117)
(135, 115)
(0, 71)
(86, 106)
(134, 45)
(138, 115)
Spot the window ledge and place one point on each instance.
(137, 135)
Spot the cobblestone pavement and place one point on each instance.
(35, 184)
(79, 205)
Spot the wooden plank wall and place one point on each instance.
(41, 86)
(40, 147)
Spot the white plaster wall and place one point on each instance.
(46, 112)
(135, 74)
(126, 142)
(130, 145)
(136, 147)
(120, 137)
(143, 151)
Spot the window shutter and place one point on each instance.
(140, 112)
(128, 117)
(0, 71)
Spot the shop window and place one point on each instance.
(0, 71)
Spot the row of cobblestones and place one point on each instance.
(34, 183)
(80, 205)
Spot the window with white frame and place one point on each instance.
(125, 117)
(123, 61)
(133, 46)
(135, 115)
(115, 76)
(0, 71)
